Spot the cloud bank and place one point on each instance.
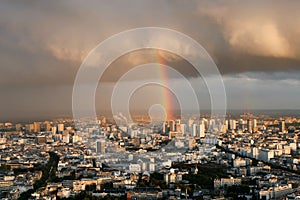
(42, 44)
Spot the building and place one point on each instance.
(201, 130)
(241, 124)
(194, 130)
(47, 126)
(144, 193)
(239, 162)
(136, 142)
(232, 124)
(282, 126)
(172, 125)
(135, 168)
(266, 155)
(60, 127)
(133, 133)
(192, 143)
(66, 136)
(183, 128)
(36, 127)
(249, 125)
(275, 192)
(151, 167)
(219, 183)
(100, 146)
(166, 127)
(54, 130)
(41, 139)
(254, 125)
(29, 127)
(172, 134)
(254, 152)
(173, 177)
(19, 127)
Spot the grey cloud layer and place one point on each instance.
(42, 43)
(41, 37)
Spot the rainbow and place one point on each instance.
(165, 93)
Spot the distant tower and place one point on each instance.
(201, 130)
(60, 127)
(66, 136)
(232, 124)
(249, 125)
(194, 130)
(54, 130)
(30, 127)
(100, 146)
(165, 127)
(254, 125)
(103, 121)
(282, 126)
(172, 125)
(47, 126)
(178, 128)
(18, 127)
(37, 127)
(241, 124)
(183, 128)
(190, 122)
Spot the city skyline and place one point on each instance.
(202, 157)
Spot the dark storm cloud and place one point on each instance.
(42, 43)
(39, 38)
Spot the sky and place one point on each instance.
(255, 45)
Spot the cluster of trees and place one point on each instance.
(48, 174)
(235, 190)
(4, 167)
(37, 167)
(156, 180)
(49, 171)
(206, 173)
